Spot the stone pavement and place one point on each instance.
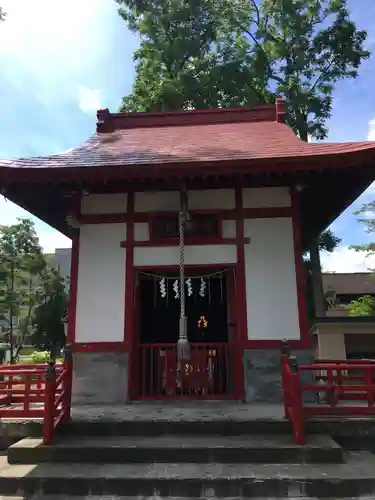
(156, 497)
(180, 411)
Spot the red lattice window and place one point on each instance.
(199, 225)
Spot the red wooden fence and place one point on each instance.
(345, 393)
(38, 391)
(206, 375)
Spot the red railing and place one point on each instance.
(345, 394)
(206, 375)
(37, 391)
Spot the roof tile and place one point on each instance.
(244, 137)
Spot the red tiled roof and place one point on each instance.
(194, 137)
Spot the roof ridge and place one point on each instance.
(109, 122)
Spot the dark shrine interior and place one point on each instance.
(159, 317)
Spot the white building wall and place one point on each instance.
(101, 284)
(160, 201)
(269, 197)
(271, 291)
(114, 203)
(331, 345)
(271, 288)
(194, 255)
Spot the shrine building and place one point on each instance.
(188, 228)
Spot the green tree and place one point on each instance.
(363, 306)
(217, 53)
(308, 46)
(193, 54)
(21, 263)
(50, 313)
(366, 217)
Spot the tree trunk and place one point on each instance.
(317, 282)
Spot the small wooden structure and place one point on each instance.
(257, 195)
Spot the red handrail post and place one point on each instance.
(297, 404)
(49, 402)
(369, 386)
(285, 354)
(67, 382)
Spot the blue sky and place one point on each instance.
(61, 61)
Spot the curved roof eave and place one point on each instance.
(36, 169)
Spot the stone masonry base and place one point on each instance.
(262, 372)
(100, 378)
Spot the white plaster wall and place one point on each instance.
(157, 201)
(160, 201)
(141, 231)
(211, 199)
(271, 289)
(101, 284)
(194, 255)
(269, 197)
(229, 228)
(114, 203)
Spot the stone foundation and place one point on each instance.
(262, 372)
(100, 378)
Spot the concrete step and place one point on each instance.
(148, 427)
(183, 449)
(352, 479)
(41, 496)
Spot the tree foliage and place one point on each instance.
(366, 216)
(363, 306)
(50, 313)
(21, 263)
(193, 54)
(309, 46)
(218, 53)
(328, 241)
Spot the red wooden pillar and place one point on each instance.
(299, 270)
(240, 290)
(73, 286)
(129, 297)
(67, 382)
(49, 403)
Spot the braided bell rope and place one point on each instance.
(182, 335)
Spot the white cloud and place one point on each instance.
(48, 45)
(345, 260)
(51, 240)
(371, 130)
(89, 100)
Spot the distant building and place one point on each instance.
(338, 335)
(61, 259)
(346, 287)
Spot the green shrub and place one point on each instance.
(37, 357)
(40, 357)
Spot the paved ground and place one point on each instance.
(177, 411)
(181, 411)
(186, 411)
(156, 497)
